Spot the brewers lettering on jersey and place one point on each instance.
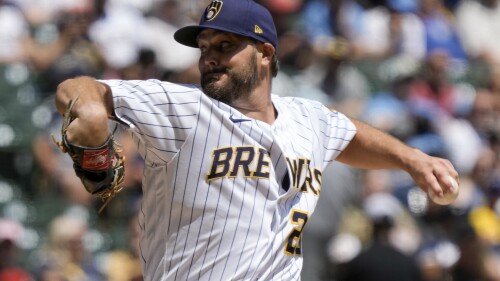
(232, 171)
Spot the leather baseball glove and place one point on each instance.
(101, 169)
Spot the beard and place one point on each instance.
(240, 83)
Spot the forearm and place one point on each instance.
(374, 149)
(91, 111)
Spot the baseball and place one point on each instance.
(448, 196)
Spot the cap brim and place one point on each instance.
(187, 35)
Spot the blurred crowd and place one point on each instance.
(425, 71)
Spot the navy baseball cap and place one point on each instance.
(242, 17)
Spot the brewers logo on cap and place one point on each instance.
(242, 17)
(213, 10)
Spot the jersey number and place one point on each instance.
(293, 245)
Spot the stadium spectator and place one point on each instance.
(64, 256)
(124, 264)
(441, 32)
(11, 233)
(478, 24)
(381, 259)
(70, 54)
(13, 35)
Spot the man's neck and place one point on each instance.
(257, 106)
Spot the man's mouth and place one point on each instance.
(213, 75)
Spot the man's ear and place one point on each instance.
(268, 52)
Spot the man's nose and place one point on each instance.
(210, 57)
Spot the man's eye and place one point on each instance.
(225, 46)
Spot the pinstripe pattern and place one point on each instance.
(239, 224)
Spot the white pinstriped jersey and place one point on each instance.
(225, 196)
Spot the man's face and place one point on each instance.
(228, 65)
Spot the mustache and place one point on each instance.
(215, 70)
